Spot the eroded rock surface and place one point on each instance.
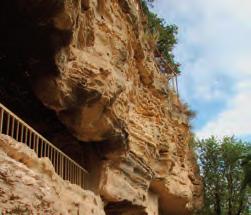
(29, 185)
(105, 87)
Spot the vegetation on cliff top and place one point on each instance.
(164, 35)
(225, 167)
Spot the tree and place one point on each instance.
(223, 176)
(234, 174)
(166, 34)
(246, 165)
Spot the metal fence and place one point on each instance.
(166, 68)
(13, 126)
(173, 83)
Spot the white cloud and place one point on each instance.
(214, 49)
(235, 120)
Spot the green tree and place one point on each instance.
(166, 34)
(246, 165)
(223, 176)
(234, 175)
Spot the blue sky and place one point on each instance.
(214, 48)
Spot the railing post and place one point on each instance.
(58, 162)
(177, 88)
(75, 174)
(173, 84)
(68, 171)
(12, 126)
(17, 132)
(8, 124)
(37, 144)
(46, 150)
(71, 175)
(77, 170)
(26, 135)
(1, 119)
(55, 160)
(22, 134)
(51, 154)
(79, 177)
(62, 166)
(41, 148)
(30, 139)
(82, 181)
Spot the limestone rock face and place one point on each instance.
(106, 88)
(30, 185)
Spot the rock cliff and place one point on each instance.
(29, 185)
(95, 69)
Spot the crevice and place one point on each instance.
(124, 208)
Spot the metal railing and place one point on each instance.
(13, 126)
(166, 68)
(173, 83)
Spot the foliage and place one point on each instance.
(246, 165)
(221, 168)
(166, 34)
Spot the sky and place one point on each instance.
(214, 49)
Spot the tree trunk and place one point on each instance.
(230, 193)
(240, 209)
(217, 205)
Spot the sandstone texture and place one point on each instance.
(29, 185)
(107, 89)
